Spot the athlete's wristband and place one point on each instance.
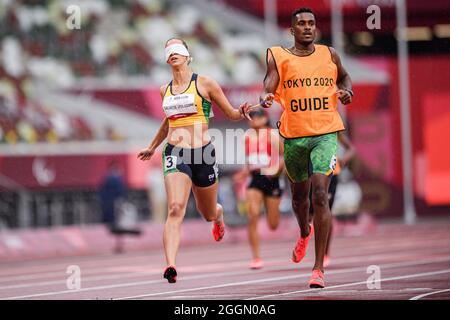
(262, 103)
(349, 91)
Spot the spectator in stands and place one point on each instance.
(114, 39)
(81, 128)
(112, 134)
(61, 124)
(26, 131)
(11, 137)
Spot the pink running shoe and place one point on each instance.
(302, 244)
(256, 264)
(218, 230)
(317, 279)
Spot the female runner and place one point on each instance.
(188, 156)
(263, 166)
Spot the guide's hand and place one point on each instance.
(266, 100)
(344, 96)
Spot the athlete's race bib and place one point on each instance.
(333, 163)
(179, 105)
(170, 163)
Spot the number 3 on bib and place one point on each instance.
(170, 163)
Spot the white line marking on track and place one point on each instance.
(416, 275)
(428, 294)
(240, 283)
(237, 263)
(327, 292)
(106, 269)
(84, 263)
(138, 283)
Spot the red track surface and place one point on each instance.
(414, 262)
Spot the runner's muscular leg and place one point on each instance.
(322, 216)
(206, 202)
(297, 160)
(254, 203)
(273, 211)
(300, 205)
(178, 186)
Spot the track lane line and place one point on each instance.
(108, 269)
(415, 275)
(240, 283)
(376, 241)
(236, 263)
(428, 294)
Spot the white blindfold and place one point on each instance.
(176, 48)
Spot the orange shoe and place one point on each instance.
(218, 230)
(256, 264)
(317, 279)
(170, 274)
(300, 248)
(326, 261)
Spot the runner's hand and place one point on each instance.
(266, 100)
(146, 154)
(245, 109)
(344, 96)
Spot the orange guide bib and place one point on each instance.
(307, 93)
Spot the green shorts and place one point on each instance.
(308, 155)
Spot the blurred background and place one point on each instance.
(79, 97)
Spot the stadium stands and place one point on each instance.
(121, 38)
(117, 41)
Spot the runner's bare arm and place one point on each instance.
(271, 81)
(161, 134)
(344, 83)
(217, 96)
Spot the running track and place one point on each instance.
(414, 262)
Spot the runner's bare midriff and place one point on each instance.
(195, 136)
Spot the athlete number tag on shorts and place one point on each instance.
(181, 104)
(333, 163)
(170, 163)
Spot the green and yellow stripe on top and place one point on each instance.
(204, 111)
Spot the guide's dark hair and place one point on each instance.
(301, 10)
